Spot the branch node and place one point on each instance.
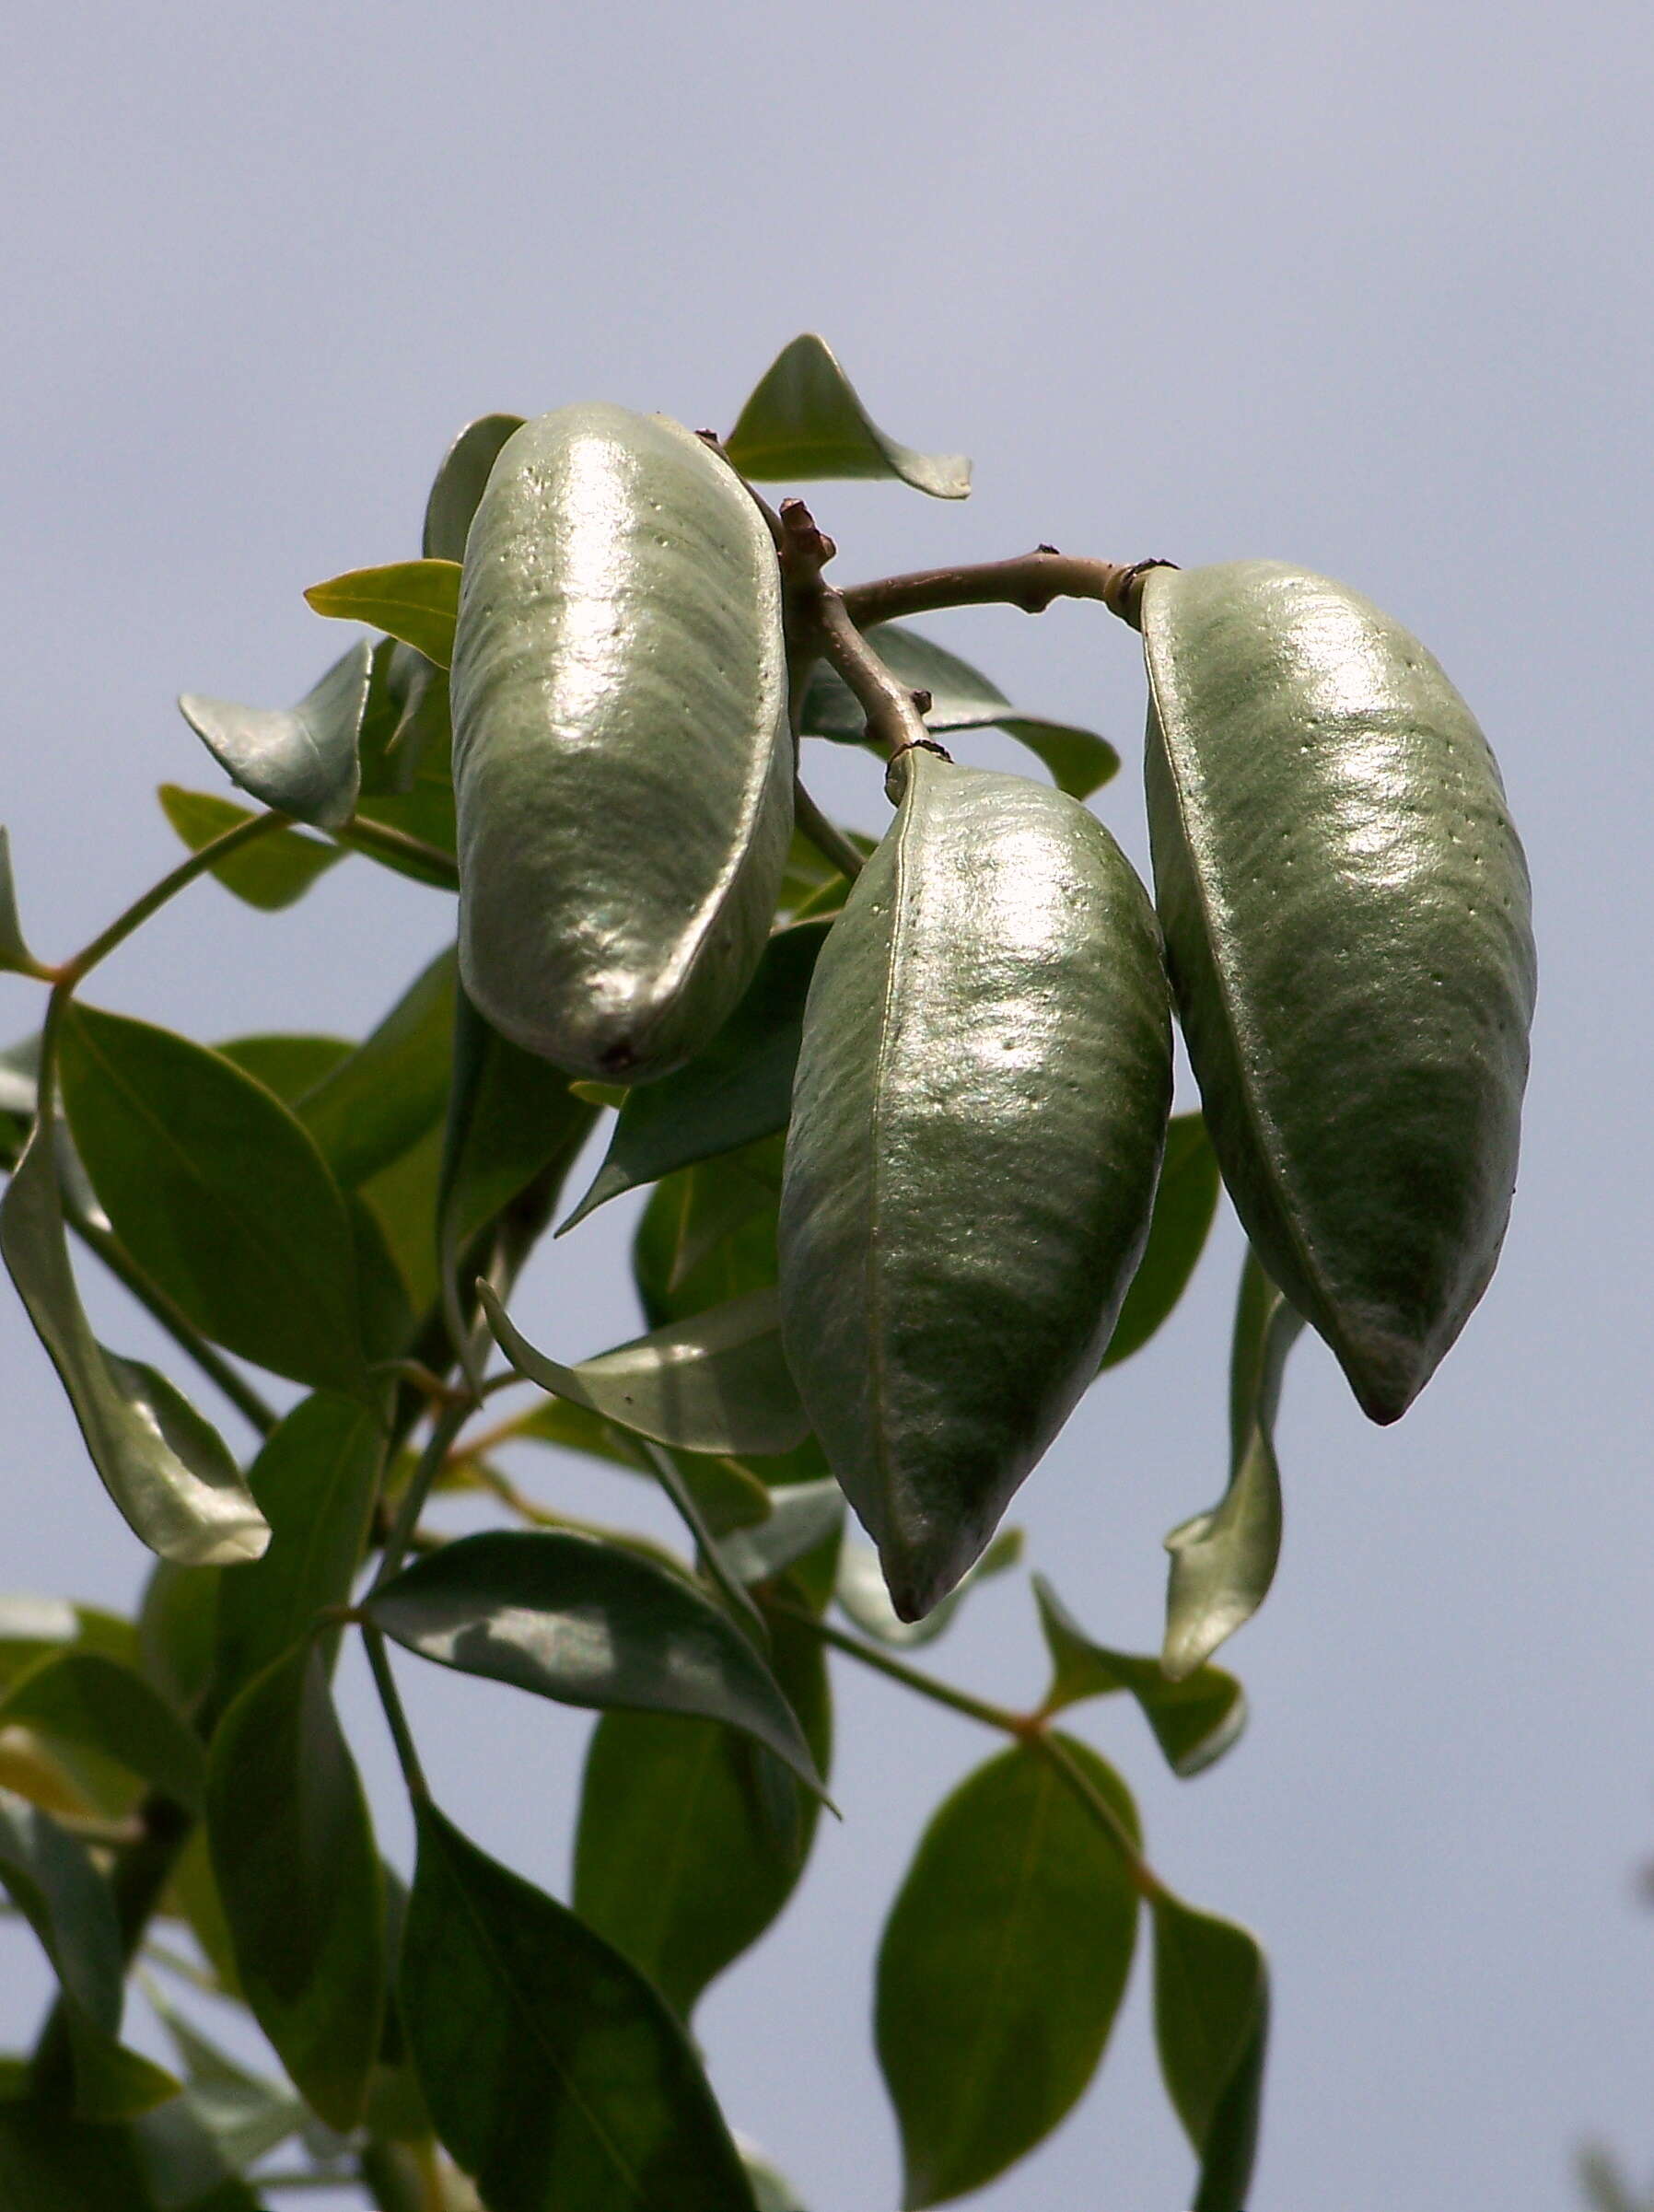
(895, 774)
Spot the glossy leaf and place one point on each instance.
(716, 1381)
(860, 1591)
(1194, 1720)
(1185, 1199)
(84, 1698)
(368, 1111)
(622, 764)
(804, 420)
(1211, 2023)
(300, 759)
(217, 1193)
(677, 1860)
(288, 1064)
(587, 1623)
(416, 600)
(553, 2072)
(14, 949)
(962, 697)
(1224, 1560)
(1003, 1964)
(738, 1089)
(166, 1468)
(457, 489)
(294, 1857)
(315, 1479)
(270, 875)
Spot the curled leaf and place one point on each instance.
(804, 419)
(300, 759)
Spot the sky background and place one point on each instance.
(1364, 288)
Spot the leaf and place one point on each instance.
(677, 1863)
(164, 2160)
(804, 419)
(299, 760)
(1223, 1561)
(1184, 1202)
(457, 489)
(269, 875)
(369, 1109)
(315, 1480)
(715, 1382)
(962, 697)
(1194, 1720)
(1211, 2023)
(553, 2072)
(740, 1260)
(737, 1089)
(177, 1623)
(771, 2189)
(416, 600)
(1003, 1964)
(84, 1698)
(717, 1198)
(293, 1854)
(802, 1518)
(217, 1193)
(860, 1591)
(14, 951)
(245, 2116)
(587, 1624)
(167, 1470)
(288, 1064)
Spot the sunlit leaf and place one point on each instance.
(716, 1381)
(300, 759)
(1194, 1720)
(164, 1467)
(554, 2073)
(962, 697)
(294, 1856)
(587, 1624)
(84, 1698)
(273, 873)
(1223, 1561)
(459, 485)
(1211, 2021)
(1002, 1967)
(416, 600)
(804, 420)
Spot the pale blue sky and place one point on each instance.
(1364, 288)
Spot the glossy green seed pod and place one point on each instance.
(978, 1118)
(621, 760)
(1346, 913)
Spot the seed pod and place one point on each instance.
(1347, 916)
(977, 1123)
(621, 759)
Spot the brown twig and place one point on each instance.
(1029, 580)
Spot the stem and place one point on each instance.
(396, 1719)
(444, 1429)
(199, 863)
(1056, 1755)
(892, 711)
(826, 837)
(217, 1369)
(1029, 580)
(380, 837)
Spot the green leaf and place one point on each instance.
(1223, 1561)
(245, 2116)
(177, 1624)
(459, 486)
(84, 1698)
(300, 759)
(962, 697)
(679, 1272)
(1003, 1964)
(269, 875)
(1194, 1720)
(1184, 1202)
(587, 1624)
(217, 1193)
(14, 951)
(860, 1591)
(315, 1480)
(771, 2189)
(288, 1064)
(801, 1518)
(677, 1862)
(368, 1110)
(164, 1467)
(811, 880)
(1211, 2024)
(416, 600)
(166, 2160)
(553, 2072)
(805, 419)
(293, 1853)
(738, 1090)
(715, 1382)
